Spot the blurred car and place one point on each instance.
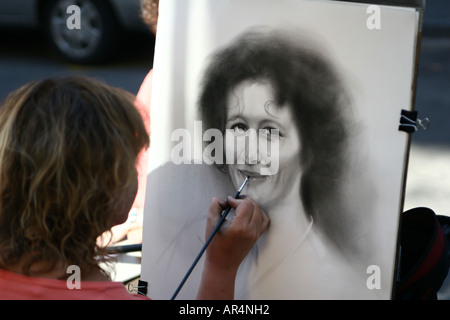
(100, 27)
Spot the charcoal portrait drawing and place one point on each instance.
(272, 81)
(304, 100)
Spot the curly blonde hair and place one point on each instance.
(68, 149)
(150, 11)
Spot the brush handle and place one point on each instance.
(213, 233)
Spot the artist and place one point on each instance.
(68, 151)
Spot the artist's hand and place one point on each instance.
(234, 240)
(230, 245)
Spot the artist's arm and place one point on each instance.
(229, 246)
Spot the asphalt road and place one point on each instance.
(24, 56)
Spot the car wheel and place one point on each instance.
(92, 40)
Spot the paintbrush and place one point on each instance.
(219, 224)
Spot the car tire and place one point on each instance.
(93, 40)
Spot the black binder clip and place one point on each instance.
(141, 288)
(410, 124)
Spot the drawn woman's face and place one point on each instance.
(251, 107)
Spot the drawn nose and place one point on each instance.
(252, 149)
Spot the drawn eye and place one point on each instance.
(239, 128)
(270, 131)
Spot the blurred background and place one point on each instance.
(125, 55)
(428, 178)
(113, 45)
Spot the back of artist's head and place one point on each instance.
(68, 149)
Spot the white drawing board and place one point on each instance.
(333, 235)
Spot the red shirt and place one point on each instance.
(15, 286)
